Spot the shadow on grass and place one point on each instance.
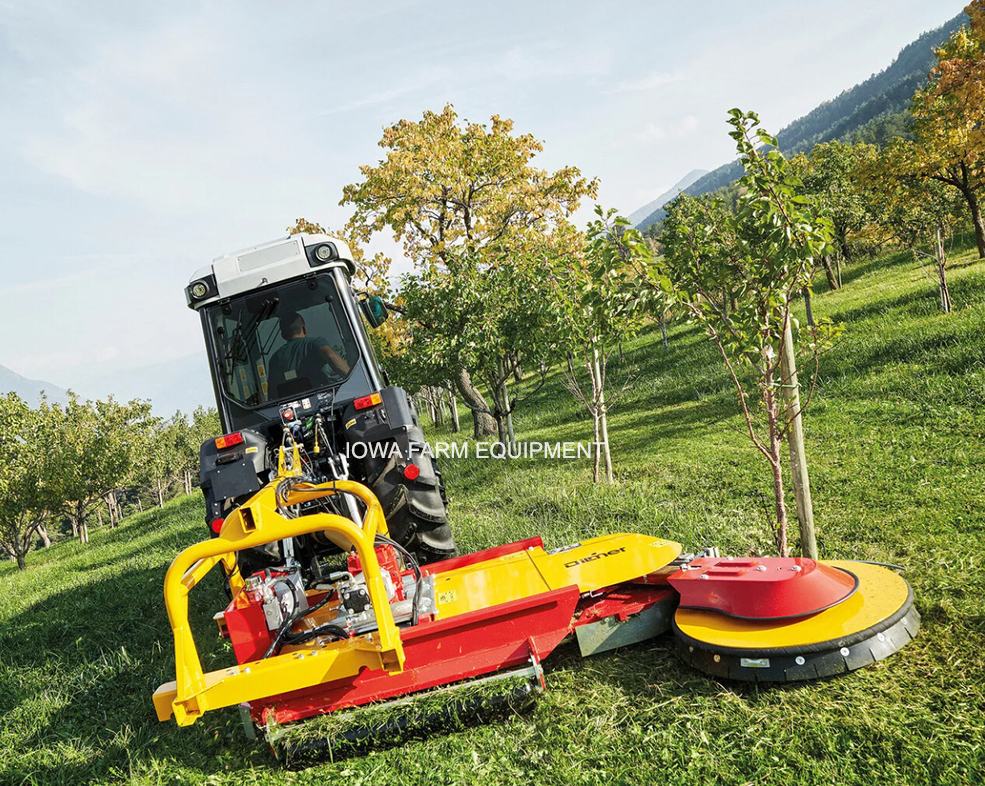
(79, 670)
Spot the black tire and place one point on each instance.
(415, 510)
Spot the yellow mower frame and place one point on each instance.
(255, 523)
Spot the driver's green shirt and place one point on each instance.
(300, 358)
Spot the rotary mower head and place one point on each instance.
(387, 648)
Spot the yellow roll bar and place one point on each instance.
(256, 523)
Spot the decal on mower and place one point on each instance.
(593, 557)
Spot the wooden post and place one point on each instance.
(795, 438)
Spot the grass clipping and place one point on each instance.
(387, 723)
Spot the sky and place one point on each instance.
(140, 140)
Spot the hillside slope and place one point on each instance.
(894, 443)
(878, 99)
(30, 390)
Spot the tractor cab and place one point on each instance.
(282, 326)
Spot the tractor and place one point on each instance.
(291, 358)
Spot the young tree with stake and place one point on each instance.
(736, 275)
(598, 309)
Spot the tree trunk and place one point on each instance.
(940, 263)
(21, 563)
(188, 482)
(772, 417)
(501, 431)
(79, 524)
(75, 527)
(807, 306)
(43, 532)
(976, 217)
(781, 507)
(663, 331)
(602, 436)
(439, 393)
(114, 509)
(945, 292)
(159, 490)
(505, 404)
(795, 439)
(846, 251)
(829, 272)
(483, 422)
(596, 454)
(453, 409)
(439, 413)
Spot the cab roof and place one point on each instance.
(268, 263)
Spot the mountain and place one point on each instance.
(30, 389)
(181, 384)
(869, 112)
(638, 216)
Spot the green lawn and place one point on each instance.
(895, 444)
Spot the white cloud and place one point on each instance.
(651, 132)
(688, 126)
(651, 82)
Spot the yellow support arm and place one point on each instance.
(256, 523)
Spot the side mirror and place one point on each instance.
(375, 310)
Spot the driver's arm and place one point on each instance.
(333, 357)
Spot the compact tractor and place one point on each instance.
(327, 514)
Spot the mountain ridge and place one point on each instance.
(30, 390)
(171, 386)
(640, 214)
(882, 95)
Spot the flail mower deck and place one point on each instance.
(387, 628)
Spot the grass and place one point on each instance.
(894, 441)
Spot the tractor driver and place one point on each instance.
(303, 358)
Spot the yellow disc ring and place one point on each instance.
(883, 597)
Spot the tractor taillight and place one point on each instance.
(229, 440)
(411, 472)
(216, 525)
(368, 401)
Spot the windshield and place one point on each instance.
(283, 342)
